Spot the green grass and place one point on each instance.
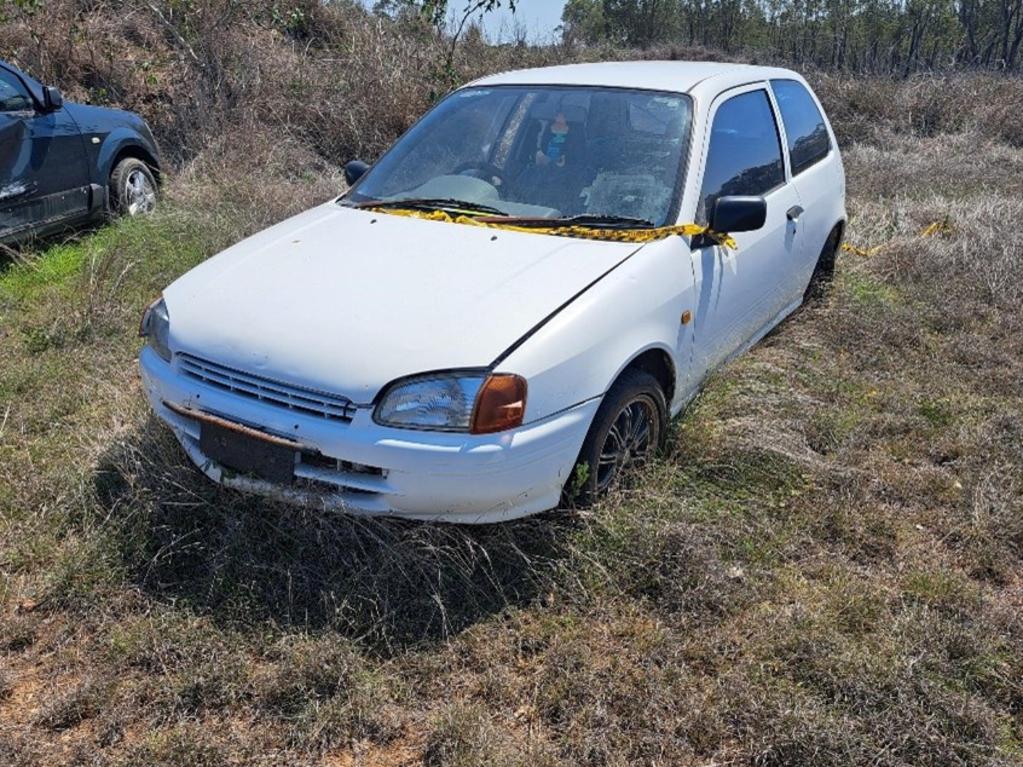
(56, 267)
(868, 293)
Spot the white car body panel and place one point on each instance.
(637, 309)
(743, 290)
(697, 78)
(821, 190)
(277, 304)
(347, 301)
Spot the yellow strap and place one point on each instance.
(936, 227)
(586, 232)
(864, 252)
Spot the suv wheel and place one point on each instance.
(132, 188)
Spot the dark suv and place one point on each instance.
(65, 164)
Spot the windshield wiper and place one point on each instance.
(585, 219)
(432, 203)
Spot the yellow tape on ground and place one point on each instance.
(864, 252)
(585, 232)
(936, 227)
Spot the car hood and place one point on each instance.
(93, 118)
(347, 300)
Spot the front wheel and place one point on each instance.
(132, 188)
(629, 428)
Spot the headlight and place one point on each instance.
(469, 401)
(155, 328)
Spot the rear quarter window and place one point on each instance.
(805, 131)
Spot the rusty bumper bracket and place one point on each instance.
(203, 417)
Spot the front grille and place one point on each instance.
(297, 398)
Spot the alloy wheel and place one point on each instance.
(632, 438)
(140, 193)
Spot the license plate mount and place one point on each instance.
(247, 455)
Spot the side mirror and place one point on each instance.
(52, 99)
(354, 171)
(738, 214)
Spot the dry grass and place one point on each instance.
(824, 568)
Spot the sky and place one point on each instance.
(538, 17)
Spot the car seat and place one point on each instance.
(553, 185)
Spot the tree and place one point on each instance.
(640, 22)
(890, 36)
(435, 13)
(582, 21)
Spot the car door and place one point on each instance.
(743, 292)
(15, 150)
(43, 171)
(813, 160)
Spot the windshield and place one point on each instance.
(542, 151)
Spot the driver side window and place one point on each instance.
(744, 156)
(13, 96)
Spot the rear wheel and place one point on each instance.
(629, 428)
(132, 188)
(824, 271)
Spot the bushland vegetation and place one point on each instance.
(858, 35)
(825, 567)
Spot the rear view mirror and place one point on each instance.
(52, 98)
(354, 171)
(738, 214)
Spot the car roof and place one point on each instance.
(675, 76)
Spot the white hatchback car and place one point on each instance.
(521, 292)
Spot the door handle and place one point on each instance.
(793, 213)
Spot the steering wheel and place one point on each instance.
(486, 171)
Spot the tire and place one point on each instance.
(824, 271)
(132, 188)
(639, 393)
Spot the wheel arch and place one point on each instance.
(118, 148)
(824, 265)
(658, 362)
(138, 152)
(840, 225)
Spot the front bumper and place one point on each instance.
(463, 478)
